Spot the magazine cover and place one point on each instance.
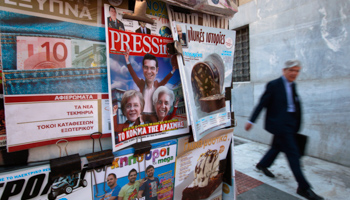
(200, 166)
(54, 72)
(145, 89)
(33, 183)
(147, 177)
(207, 71)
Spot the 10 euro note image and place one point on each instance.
(45, 53)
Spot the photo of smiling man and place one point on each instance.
(113, 190)
(149, 189)
(148, 85)
(131, 189)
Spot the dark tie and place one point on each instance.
(293, 93)
(296, 101)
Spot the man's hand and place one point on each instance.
(177, 101)
(142, 181)
(115, 108)
(248, 126)
(139, 194)
(126, 55)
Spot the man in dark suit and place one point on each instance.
(181, 35)
(143, 29)
(283, 119)
(112, 21)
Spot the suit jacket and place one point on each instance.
(274, 100)
(147, 30)
(115, 24)
(183, 40)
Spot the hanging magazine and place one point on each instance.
(200, 166)
(145, 90)
(149, 176)
(54, 73)
(207, 70)
(33, 182)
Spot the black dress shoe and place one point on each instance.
(309, 194)
(265, 170)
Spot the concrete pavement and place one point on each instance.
(329, 180)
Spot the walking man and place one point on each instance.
(283, 119)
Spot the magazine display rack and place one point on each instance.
(67, 70)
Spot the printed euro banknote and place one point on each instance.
(46, 52)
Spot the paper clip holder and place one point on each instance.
(66, 165)
(101, 158)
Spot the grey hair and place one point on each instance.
(292, 63)
(160, 90)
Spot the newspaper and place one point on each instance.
(33, 183)
(200, 166)
(208, 60)
(145, 89)
(150, 176)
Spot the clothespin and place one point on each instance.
(139, 12)
(175, 48)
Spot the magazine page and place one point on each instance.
(33, 183)
(145, 89)
(150, 176)
(200, 166)
(54, 72)
(207, 71)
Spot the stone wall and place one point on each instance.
(317, 33)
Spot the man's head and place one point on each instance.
(163, 99)
(150, 171)
(111, 180)
(132, 176)
(142, 24)
(179, 30)
(291, 70)
(112, 12)
(150, 67)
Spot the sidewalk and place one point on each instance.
(329, 180)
